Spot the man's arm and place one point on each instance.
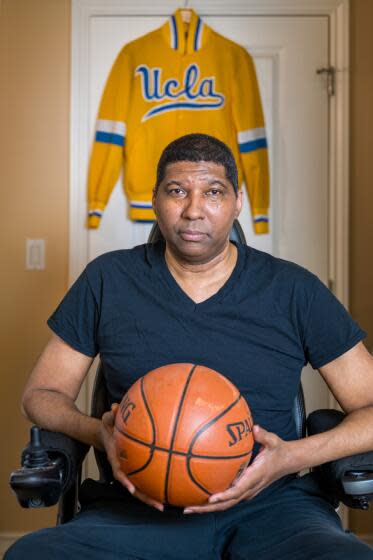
(350, 378)
(50, 393)
(49, 401)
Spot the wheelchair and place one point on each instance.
(51, 469)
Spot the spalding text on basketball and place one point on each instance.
(126, 408)
(238, 430)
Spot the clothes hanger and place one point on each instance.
(186, 12)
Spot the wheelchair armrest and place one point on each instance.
(50, 465)
(349, 479)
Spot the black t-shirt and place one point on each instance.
(268, 320)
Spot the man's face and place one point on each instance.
(196, 206)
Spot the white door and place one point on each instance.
(287, 52)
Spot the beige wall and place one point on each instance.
(34, 151)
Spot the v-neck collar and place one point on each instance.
(158, 262)
(174, 32)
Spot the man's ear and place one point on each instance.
(239, 203)
(154, 195)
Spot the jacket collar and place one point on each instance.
(174, 32)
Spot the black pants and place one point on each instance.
(295, 522)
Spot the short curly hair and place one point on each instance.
(198, 147)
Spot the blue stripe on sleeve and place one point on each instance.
(253, 145)
(263, 219)
(145, 205)
(110, 138)
(197, 34)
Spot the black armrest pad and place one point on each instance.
(330, 474)
(60, 445)
(322, 420)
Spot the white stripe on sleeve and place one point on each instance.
(251, 134)
(115, 127)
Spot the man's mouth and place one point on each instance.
(192, 235)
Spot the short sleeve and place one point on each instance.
(330, 329)
(76, 318)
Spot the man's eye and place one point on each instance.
(175, 191)
(214, 192)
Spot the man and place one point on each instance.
(257, 319)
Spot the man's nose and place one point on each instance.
(194, 207)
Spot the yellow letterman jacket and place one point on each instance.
(179, 79)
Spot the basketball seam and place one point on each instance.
(212, 421)
(173, 437)
(152, 446)
(196, 436)
(182, 453)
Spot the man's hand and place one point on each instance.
(108, 442)
(272, 462)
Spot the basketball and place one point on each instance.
(183, 432)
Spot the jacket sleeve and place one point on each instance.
(252, 141)
(109, 141)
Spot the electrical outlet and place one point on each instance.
(35, 254)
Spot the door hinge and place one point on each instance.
(330, 76)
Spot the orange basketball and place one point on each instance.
(183, 432)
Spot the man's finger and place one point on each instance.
(149, 501)
(125, 482)
(119, 474)
(223, 504)
(108, 418)
(240, 487)
(267, 439)
(231, 494)
(210, 507)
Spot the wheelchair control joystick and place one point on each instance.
(39, 482)
(36, 455)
